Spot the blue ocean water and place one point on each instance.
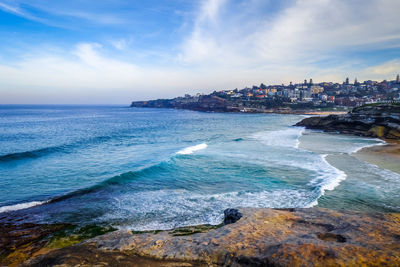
(161, 168)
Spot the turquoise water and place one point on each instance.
(158, 168)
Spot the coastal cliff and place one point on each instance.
(249, 237)
(203, 103)
(380, 120)
(214, 103)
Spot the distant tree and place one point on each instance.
(263, 86)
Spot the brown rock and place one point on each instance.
(381, 120)
(262, 237)
(378, 131)
(393, 134)
(19, 242)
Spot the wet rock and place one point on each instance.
(381, 121)
(231, 216)
(19, 242)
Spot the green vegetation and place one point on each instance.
(73, 235)
(183, 231)
(146, 232)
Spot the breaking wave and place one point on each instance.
(192, 149)
(21, 206)
(281, 138)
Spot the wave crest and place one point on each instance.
(280, 138)
(21, 206)
(192, 149)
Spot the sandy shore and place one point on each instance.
(385, 156)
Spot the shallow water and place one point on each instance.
(158, 168)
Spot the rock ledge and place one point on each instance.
(262, 237)
(381, 121)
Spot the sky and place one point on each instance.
(115, 51)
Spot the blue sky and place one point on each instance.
(117, 51)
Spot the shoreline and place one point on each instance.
(261, 111)
(385, 156)
(251, 237)
(263, 236)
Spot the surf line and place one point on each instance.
(191, 149)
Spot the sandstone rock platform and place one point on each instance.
(379, 120)
(261, 237)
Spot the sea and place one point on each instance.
(147, 169)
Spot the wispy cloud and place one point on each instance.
(11, 9)
(120, 44)
(387, 69)
(220, 44)
(59, 15)
(302, 32)
(97, 18)
(16, 10)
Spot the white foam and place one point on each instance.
(192, 149)
(281, 138)
(21, 206)
(328, 180)
(167, 209)
(298, 137)
(334, 181)
(381, 143)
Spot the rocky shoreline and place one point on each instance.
(222, 105)
(20, 242)
(249, 237)
(379, 121)
(246, 237)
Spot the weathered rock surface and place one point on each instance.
(261, 237)
(382, 121)
(20, 242)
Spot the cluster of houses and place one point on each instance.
(339, 94)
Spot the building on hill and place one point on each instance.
(316, 89)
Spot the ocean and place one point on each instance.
(146, 169)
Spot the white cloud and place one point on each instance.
(90, 17)
(86, 75)
(16, 10)
(58, 15)
(388, 69)
(231, 44)
(120, 44)
(302, 32)
(210, 10)
(11, 9)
